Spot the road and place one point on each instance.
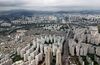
(65, 56)
(65, 51)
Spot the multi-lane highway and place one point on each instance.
(65, 57)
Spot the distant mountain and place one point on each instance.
(20, 13)
(10, 15)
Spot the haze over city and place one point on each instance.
(49, 32)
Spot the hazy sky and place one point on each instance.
(29, 4)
